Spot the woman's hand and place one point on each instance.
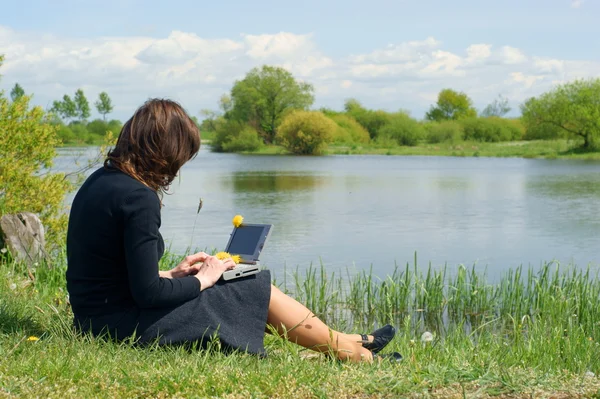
(190, 265)
(211, 270)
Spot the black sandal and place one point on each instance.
(381, 338)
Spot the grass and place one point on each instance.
(550, 149)
(533, 333)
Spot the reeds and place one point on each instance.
(436, 300)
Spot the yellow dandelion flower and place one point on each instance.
(227, 255)
(238, 220)
(33, 338)
(222, 255)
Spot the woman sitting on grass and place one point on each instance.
(114, 247)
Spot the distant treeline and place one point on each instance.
(269, 106)
(71, 116)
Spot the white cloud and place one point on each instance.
(395, 53)
(196, 70)
(527, 80)
(577, 3)
(478, 52)
(512, 55)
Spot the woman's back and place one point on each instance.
(97, 278)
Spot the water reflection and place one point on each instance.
(273, 182)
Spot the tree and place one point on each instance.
(264, 96)
(209, 120)
(82, 105)
(104, 105)
(572, 107)
(305, 132)
(499, 107)
(28, 144)
(225, 103)
(67, 109)
(403, 129)
(451, 105)
(371, 120)
(17, 92)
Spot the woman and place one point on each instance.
(114, 246)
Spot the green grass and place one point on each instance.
(533, 333)
(550, 149)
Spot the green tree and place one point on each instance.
(209, 120)
(104, 105)
(264, 96)
(445, 131)
(82, 105)
(306, 132)
(572, 107)
(499, 107)
(17, 92)
(349, 131)
(66, 109)
(27, 147)
(235, 136)
(451, 105)
(225, 103)
(403, 129)
(371, 120)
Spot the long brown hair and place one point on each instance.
(155, 143)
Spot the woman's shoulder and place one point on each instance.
(118, 186)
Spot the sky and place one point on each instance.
(388, 54)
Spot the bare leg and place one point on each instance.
(301, 326)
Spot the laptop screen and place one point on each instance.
(247, 241)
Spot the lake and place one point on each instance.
(357, 212)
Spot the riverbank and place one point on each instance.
(548, 149)
(534, 333)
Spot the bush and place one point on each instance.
(446, 131)
(544, 132)
(349, 131)
(65, 134)
(246, 140)
(306, 132)
(371, 120)
(492, 129)
(99, 127)
(235, 136)
(403, 129)
(27, 146)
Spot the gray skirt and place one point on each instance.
(235, 311)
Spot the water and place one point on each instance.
(377, 211)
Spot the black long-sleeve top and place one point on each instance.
(113, 249)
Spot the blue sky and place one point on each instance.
(388, 54)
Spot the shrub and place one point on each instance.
(246, 140)
(65, 134)
(99, 127)
(403, 129)
(349, 130)
(306, 132)
(446, 131)
(371, 120)
(491, 129)
(27, 146)
(544, 132)
(235, 136)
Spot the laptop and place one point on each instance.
(247, 241)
